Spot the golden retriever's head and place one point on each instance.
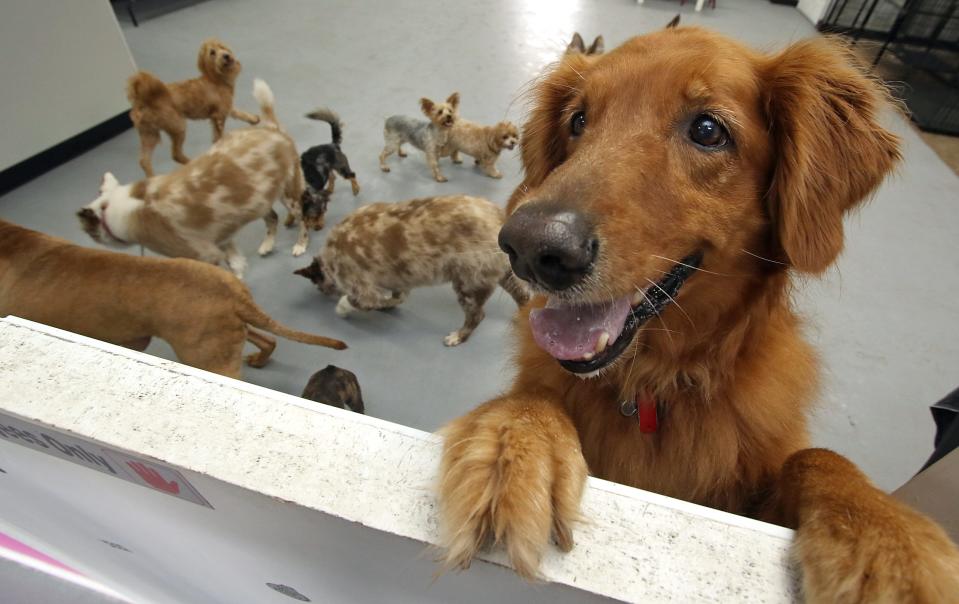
(442, 114)
(217, 62)
(684, 168)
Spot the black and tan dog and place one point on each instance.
(320, 165)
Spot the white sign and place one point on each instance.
(137, 470)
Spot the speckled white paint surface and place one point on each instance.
(636, 546)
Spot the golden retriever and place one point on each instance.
(668, 204)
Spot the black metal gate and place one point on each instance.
(919, 43)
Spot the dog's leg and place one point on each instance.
(331, 182)
(512, 472)
(149, 139)
(434, 165)
(269, 242)
(177, 138)
(387, 151)
(235, 260)
(471, 299)
(455, 157)
(857, 544)
(249, 118)
(355, 185)
(219, 124)
(488, 167)
(344, 307)
(209, 252)
(264, 342)
(217, 347)
(302, 240)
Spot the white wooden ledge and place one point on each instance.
(275, 476)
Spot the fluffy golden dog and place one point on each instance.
(194, 211)
(667, 207)
(159, 107)
(204, 313)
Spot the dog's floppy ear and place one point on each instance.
(597, 47)
(576, 44)
(832, 152)
(454, 100)
(673, 23)
(427, 106)
(108, 183)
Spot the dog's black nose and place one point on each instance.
(551, 246)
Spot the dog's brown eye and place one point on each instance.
(708, 132)
(578, 123)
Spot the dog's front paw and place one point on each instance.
(858, 544)
(299, 249)
(453, 339)
(343, 307)
(255, 120)
(385, 168)
(512, 474)
(266, 248)
(441, 178)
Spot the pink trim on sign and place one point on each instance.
(18, 547)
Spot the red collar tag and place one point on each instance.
(646, 410)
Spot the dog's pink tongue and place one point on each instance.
(570, 333)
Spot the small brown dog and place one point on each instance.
(166, 107)
(335, 387)
(483, 143)
(203, 312)
(383, 250)
(428, 136)
(194, 211)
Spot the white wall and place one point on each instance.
(813, 9)
(63, 71)
(272, 489)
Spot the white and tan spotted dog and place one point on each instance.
(194, 211)
(382, 251)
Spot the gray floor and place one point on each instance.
(885, 319)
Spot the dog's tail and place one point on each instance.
(264, 96)
(255, 316)
(144, 88)
(325, 114)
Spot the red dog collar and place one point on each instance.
(646, 410)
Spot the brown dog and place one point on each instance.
(667, 206)
(335, 387)
(203, 312)
(166, 107)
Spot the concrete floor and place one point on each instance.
(884, 319)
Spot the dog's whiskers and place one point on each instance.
(745, 251)
(695, 268)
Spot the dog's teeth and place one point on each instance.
(588, 356)
(637, 298)
(602, 342)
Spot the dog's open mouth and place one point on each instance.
(587, 337)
